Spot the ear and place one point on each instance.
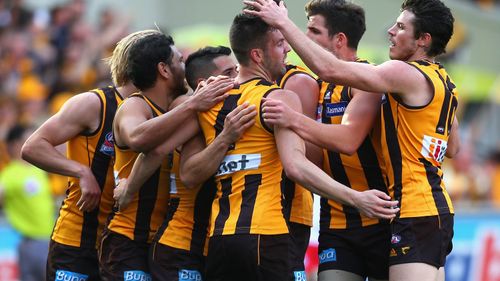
(163, 70)
(424, 41)
(257, 55)
(340, 40)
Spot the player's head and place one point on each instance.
(433, 17)
(329, 18)
(209, 61)
(118, 61)
(254, 42)
(156, 57)
(426, 24)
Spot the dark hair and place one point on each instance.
(340, 16)
(247, 32)
(144, 57)
(433, 17)
(16, 133)
(200, 63)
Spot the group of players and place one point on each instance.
(216, 185)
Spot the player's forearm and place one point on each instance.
(144, 167)
(317, 181)
(42, 154)
(202, 165)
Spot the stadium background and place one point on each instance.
(40, 68)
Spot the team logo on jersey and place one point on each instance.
(319, 111)
(395, 239)
(328, 95)
(434, 148)
(64, 275)
(189, 275)
(238, 162)
(335, 109)
(108, 146)
(173, 184)
(383, 100)
(328, 255)
(136, 275)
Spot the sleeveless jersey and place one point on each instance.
(249, 196)
(96, 150)
(299, 198)
(414, 145)
(143, 216)
(186, 224)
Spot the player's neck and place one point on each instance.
(159, 95)
(250, 72)
(126, 90)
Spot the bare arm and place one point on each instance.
(372, 203)
(392, 76)
(198, 162)
(151, 133)
(453, 140)
(345, 137)
(79, 114)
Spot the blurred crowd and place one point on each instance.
(47, 55)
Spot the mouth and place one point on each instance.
(391, 43)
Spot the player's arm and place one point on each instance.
(199, 162)
(453, 140)
(373, 203)
(307, 89)
(346, 137)
(155, 131)
(391, 76)
(78, 115)
(147, 163)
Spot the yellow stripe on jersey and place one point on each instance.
(186, 224)
(249, 196)
(415, 142)
(145, 213)
(96, 150)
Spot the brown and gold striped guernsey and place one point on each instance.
(299, 199)
(361, 171)
(96, 150)
(145, 213)
(186, 224)
(249, 198)
(414, 145)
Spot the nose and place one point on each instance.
(391, 30)
(287, 48)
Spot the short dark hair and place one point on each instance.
(247, 32)
(200, 63)
(144, 57)
(340, 16)
(15, 133)
(433, 17)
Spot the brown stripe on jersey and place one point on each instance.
(248, 197)
(220, 221)
(145, 207)
(229, 104)
(325, 214)
(100, 165)
(371, 167)
(201, 214)
(173, 204)
(261, 116)
(288, 191)
(394, 150)
(344, 95)
(435, 183)
(443, 116)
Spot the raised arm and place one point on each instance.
(80, 114)
(199, 162)
(345, 137)
(392, 76)
(372, 203)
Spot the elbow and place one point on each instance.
(349, 148)
(450, 153)
(139, 145)
(27, 151)
(293, 171)
(188, 181)
(326, 73)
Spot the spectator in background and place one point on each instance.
(24, 192)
